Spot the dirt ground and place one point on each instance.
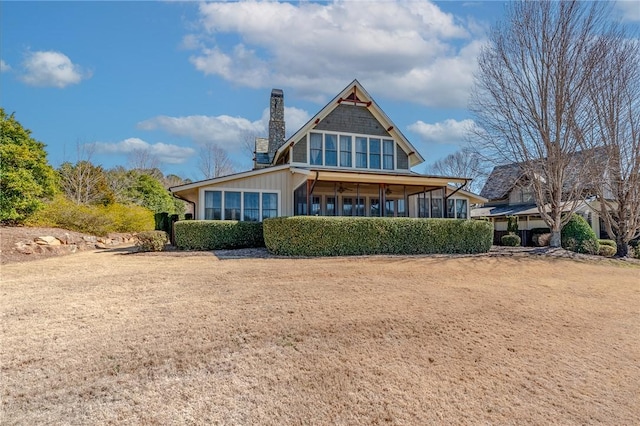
(111, 337)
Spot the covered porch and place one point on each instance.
(345, 193)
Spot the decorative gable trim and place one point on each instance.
(354, 94)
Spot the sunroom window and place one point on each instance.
(251, 206)
(248, 206)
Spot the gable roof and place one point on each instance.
(503, 178)
(354, 94)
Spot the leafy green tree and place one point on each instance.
(26, 178)
(148, 191)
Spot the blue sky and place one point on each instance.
(167, 77)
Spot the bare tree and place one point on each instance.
(83, 182)
(531, 95)
(143, 159)
(465, 163)
(214, 161)
(615, 97)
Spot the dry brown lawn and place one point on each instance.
(106, 338)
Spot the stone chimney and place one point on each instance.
(276, 122)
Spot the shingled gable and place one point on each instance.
(501, 181)
(354, 94)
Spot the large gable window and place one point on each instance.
(331, 150)
(339, 150)
(374, 153)
(315, 149)
(387, 151)
(345, 150)
(361, 152)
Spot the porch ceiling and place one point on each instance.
(389, 179)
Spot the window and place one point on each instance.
(389, 208)
(361, 153)
(330, 150)
(345, 151)
(330, 209)
(461, 209)
(347, 206)
(374, 207)
(436, 207)
(212, 205)
(360, 202)
(300, 200)
(316, 148)
(251, 206)
(423, 207)
(374, 153)
(232, 206)
(451, 208)
(387, 160)
(401, 210)
(315, 205)
(269, 205)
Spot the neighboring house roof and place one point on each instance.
(501, 181)
(503, 178)
(356, 94)
(515, 210)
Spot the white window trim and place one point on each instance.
(201, 208)
(353, 151)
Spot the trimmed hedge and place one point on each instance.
(578, 236)
(152, 241)
(217, 234)
(338, 236)
(610, 243)
(510, 240)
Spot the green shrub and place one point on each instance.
(610, 243)
(606, 250)
(152, 240)
(578, 236)
(335, 236)
(510, 240)
(512, 224)
(217, 234)
(95, 220)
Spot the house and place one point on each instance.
(348, 160)
(509, 193)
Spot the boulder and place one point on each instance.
(48, 241)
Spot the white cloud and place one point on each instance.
(630, 10)
(51, 69)
(229, 132)
(4, 67)
(448, 132)
(405, 50)
(166, 153)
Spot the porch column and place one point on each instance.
(382, 199)
(445, 198)
(308, 197)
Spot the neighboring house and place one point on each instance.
(348, 160)
(510, 194)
